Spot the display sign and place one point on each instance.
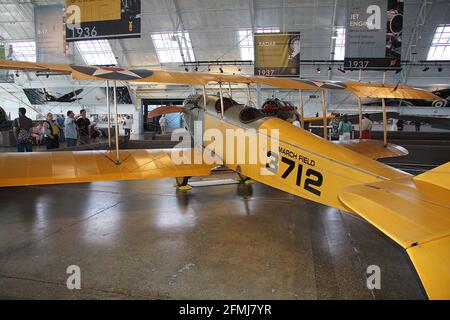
(49, 30)
(277, 54)
(373, 39)
(102, 19)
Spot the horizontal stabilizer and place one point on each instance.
(373, 149)
(416, 215)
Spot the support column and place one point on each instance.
(229, 90)
(204, 97)
(116, 122)
(108, 105)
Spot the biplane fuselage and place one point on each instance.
(300, 163)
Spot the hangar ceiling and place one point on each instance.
(213, 28)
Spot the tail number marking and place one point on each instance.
(314, 178)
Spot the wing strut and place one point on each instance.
(108, 105)
(116, 122)
(359, 107)
(302, 109)
(324, 115)
(383, 104)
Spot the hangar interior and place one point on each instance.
(146, 239)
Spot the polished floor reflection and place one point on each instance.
(145, 240)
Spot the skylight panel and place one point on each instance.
(170, 45)
(246, 41)
(339, 44)
(24, 51)
(96, 52)
(440, 46)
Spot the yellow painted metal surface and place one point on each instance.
(417, 216)
(373, 149)
(22, 169)
(439, 176)
(359, 89)
(432, 262)
(338, 166)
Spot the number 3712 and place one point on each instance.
(314, 178)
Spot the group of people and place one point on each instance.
(341, 127)
(52, 131)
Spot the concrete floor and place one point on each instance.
(145, 240)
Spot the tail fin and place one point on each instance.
(439, 176)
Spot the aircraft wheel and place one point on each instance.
(439, 103)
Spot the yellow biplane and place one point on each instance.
(413, 211)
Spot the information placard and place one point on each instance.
(102, 19)
(373, 39)
(277, 54)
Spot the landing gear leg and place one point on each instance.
(244, 179)
(182, 183)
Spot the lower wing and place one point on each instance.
(23, 169)
(415, 213)
(373, 149)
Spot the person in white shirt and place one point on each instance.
(127, 125)
(366, 127)
(163, 122)
(296, 120)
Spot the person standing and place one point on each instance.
(22, 129)
(83, 125)
(60, 120)
(163, 122)
(366, 127)
(400, 125)
(334, 123)
(417, 125)
(345, 129)
(70, 128)
(51, 133)
(127, 125)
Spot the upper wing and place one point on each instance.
(415, 213)
(374, 149)
(359, 89)
(22, 169)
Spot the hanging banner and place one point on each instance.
(277, 54)
(373, 38)
(102, 19)
(49, 33)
